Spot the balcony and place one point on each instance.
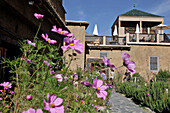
(147, 39)
(140, 39)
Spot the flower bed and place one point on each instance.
(154, 96)
(41, 82)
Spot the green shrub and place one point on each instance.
(163, 75)
(156, 97)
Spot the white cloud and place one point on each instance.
(162, 8)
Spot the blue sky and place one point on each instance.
(104, 12)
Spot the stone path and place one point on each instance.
(121, 104)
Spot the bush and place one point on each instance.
(156, 98)
(163, 75)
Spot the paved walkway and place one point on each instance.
(121, 104)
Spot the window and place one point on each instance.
(153, 63)
(102, 54)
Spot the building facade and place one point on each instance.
(17, 23)
(150, 55)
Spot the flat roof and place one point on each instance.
(79, 23)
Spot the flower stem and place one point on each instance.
(37, 31)
(17, 93)
(70, 61)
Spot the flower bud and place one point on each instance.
(29, 97)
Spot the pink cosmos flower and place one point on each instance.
(46, 63)
(29, 42)
(73, 44)
(12, 92)
(30, 110)
(6, 85)
(28, 60)
(98, 85)
(38, 16)
(7, 106)
(129, 64)
(53, 105)
(52, 72)
(48, 39)
(86, 83)
(59, 77)
(65, 78)
(107, 63)
(62, 32)
(83, 102)
(29, 97)
(95, 107)
(112, 67)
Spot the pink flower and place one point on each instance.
(94, 100)
(28, 60)
(29, 97)
(46, 63)
(129, 64)
(1, 99)
(148, 94)
(95, 107)
(107, 63)
(101, 93)
(83, 102)
(7, 106)
(38, 16)
(12, 92)
(52, 72)
(30, 110)
(86, 83)
(54, 105)
(59, 77)
(29, 42)
(48, 39)
(73, 44)
(65, 78)
(61, 32)
(6, 85)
